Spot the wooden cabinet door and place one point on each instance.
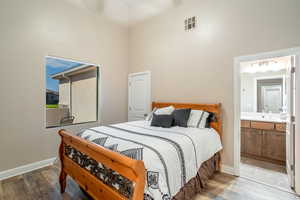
(253, 142)
(274, 145)
(243, 149)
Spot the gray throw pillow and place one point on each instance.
(164, 121)
(181, 117)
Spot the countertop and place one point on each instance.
(263, 118)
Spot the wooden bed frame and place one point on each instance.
(133, 170)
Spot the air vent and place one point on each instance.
(190, 24)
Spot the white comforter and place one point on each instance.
(172, 156)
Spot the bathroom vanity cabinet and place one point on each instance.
(263, 141)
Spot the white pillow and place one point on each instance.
(160, 111)
(150, 115)
(165, 111)
(197, 119)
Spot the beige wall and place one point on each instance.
(84, 96)
(197, 66)
(32, 29)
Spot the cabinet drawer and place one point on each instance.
(245, 124)
(262, 125)
(280, 127)
(243, 135)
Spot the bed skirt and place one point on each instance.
(197, 184)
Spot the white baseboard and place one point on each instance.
(26, 168)
(227, 169)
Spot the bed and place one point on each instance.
(134, 160)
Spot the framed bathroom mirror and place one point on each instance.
(71, 92)
(263, 85)
(269, 95)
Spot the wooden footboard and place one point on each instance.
(102, 173)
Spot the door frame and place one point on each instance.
(148, 73)
(237, 107)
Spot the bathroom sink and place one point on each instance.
(262, 117)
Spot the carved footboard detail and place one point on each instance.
(103, 174)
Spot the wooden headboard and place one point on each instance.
(214, 108)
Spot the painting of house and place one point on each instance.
(76, 94)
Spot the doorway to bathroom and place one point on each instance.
(265, 92)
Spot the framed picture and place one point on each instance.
(71, 92)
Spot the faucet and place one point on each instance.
(263, 113)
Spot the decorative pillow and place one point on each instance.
(165, 111)
(198, 119)
(150, 115)
(211, 118)
(164, 121)
(181, 117)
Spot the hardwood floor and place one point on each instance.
(43, 184)
(40, 184)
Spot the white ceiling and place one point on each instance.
(127, 11)
(142, 9)
(153, 3)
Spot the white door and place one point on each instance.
(271, 98)
(290, 123)
(139, 95)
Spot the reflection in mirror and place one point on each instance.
(71, 92)
(269, 95)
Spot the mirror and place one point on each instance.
(269, 95)
(71, 92)
(263, 92)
